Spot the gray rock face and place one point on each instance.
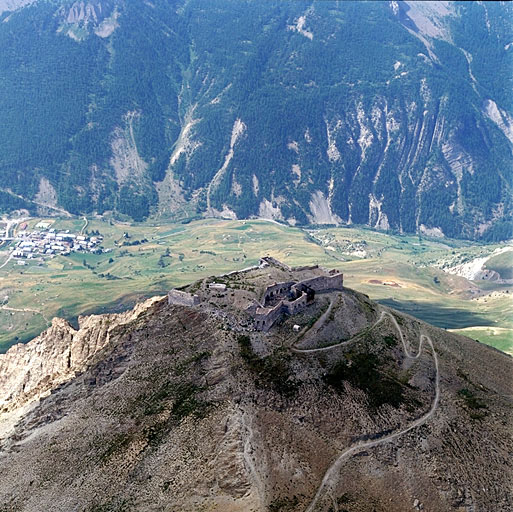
(29, 372)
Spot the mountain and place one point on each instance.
(396, 115)
(194, 407)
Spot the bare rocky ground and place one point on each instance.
(174, 408)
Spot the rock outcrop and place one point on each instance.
(29, 372)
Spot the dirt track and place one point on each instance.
(332, 474)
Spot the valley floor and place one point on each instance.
(409, 273)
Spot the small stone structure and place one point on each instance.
(182, 298)
(217, 286)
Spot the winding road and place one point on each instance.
(332, 474)
(85, 225)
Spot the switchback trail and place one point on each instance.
(332, 474)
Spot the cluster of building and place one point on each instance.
(49, 242)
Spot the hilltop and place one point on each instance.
(341, 405)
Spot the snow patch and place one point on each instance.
(397, 65)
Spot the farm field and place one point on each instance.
(146, 259)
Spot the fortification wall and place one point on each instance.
(273, 261)
(182, 298)
(305, 267)
(322, 283)
(276, 289)
(265, 317)
(297, 305)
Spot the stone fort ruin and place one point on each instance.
(292, 297)
(279, 298)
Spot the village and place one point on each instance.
(47, 242)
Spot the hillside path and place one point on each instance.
(332, 474)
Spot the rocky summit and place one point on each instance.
(188, 403)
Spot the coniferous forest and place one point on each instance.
(389, 114)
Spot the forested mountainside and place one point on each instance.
(397, 115)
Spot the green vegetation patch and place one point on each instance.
(272, 371)
(363, 371)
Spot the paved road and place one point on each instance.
(332, 474)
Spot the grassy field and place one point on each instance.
(147, 259)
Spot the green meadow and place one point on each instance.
(148, 259)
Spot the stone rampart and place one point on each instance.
(323, 283)
(276, 290)
(305, 267)
(182, 298)
(265, 317)
(297, 305)
(274, 262)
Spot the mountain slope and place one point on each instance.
(396, 115)
(190, 408)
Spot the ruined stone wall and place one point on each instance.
(322, 283)
(265, 317)
(276, 290)
(274, 262)
(305, 267)
(182, 298)
(297, 305)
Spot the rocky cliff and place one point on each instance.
(30, 372)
